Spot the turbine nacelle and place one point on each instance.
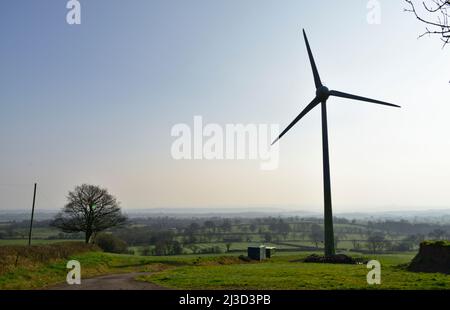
(322, 93)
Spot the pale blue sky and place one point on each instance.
(95, 103)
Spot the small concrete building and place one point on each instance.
(260, 252)
(270, 250)
(256, 252)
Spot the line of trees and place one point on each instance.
(91, 210)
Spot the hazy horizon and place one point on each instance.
(95, 103)
(250, 209)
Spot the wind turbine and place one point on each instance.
(322, 95)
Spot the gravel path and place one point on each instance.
(124, 281)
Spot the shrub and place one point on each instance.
(15, 256)
(176, 248)
(211, 250)
(245, 258)
(402, 246)
(110, 243)
(146, 251)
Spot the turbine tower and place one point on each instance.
(322, 95)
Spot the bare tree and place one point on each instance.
(355, 244)
(90, 209)
(435, 14)
(210, 225)
(437, 234)
(338, 238)
(316, 234)
(228, 245)
(376, 242)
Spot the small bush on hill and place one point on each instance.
(335, 259)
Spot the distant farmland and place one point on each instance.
(177, 236)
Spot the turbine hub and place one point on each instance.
(323, 93)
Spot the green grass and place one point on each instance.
(441, 243)
(92, 264)
(226, 271)
(35, 275)
(33, 241)
(286, 272)
(38, 232)
(235, 246)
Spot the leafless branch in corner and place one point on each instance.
(435, 15)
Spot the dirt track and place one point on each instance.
(124, 281)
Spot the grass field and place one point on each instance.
(283, 271)
(235, 246)
(286, 272)
(92, 264)
(33, 241)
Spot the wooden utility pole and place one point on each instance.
(32, 214)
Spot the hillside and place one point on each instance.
(284, 271)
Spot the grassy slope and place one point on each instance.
(283, 272)
(227, 272)
(92, 264)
